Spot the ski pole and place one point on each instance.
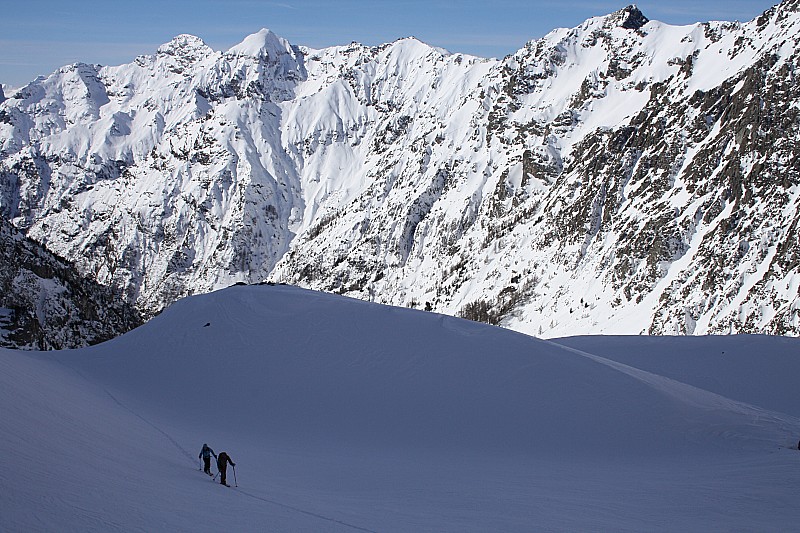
(236, 483)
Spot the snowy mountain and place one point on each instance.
(45, 305)
(341, 414)
(624, 176)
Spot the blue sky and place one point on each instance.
(38, 36)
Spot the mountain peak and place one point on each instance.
(184, 44)
(263, 43)
(413, 43)
(631, 18)
(183, 51)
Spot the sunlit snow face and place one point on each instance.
(410, 176)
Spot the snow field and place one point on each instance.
(344, 415)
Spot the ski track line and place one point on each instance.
(189, 456)
(309, 513)
(137, 415)
(191, 459)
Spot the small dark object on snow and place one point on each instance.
(207, 324)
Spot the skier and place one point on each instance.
(222, 465)
(206, 454)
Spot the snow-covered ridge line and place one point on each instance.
(623, 176)
(690, 395)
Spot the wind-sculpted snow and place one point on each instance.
(345, 415)
(623, 176)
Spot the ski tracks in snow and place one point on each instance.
(308, 513)
(191, 459)
(166, 435)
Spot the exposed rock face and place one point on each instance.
(45, 305)
(633, 18)
(624, 176)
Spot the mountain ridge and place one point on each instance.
(596, 181)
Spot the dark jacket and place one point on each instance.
(222, 461)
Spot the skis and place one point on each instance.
(214, 477)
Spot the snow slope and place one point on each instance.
(343, 415)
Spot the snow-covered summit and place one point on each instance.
(263, 44)
(275, 59)
(187, 48)
(185, 45)
(413, 45)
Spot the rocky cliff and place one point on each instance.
(45, 305)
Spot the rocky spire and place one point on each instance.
(632, 18)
